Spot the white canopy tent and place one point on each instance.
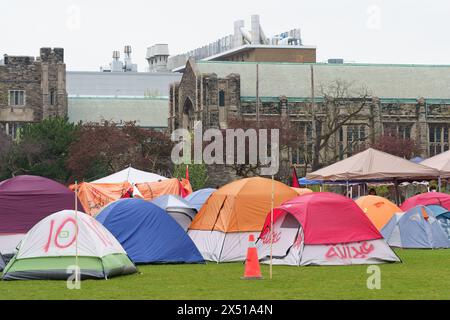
(132, 176)
(440, 162)
(373, 165)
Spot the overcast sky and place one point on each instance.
(372, 31)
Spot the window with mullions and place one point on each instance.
(355, 140)
(402, 130)
(438, 138)
(16, 98)
(12, 129)
(303, 153)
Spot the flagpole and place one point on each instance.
(77, 274)
(271, 229)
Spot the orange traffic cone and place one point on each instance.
(252, 269)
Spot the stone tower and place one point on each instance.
(32, 90)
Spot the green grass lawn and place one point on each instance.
(424, 274)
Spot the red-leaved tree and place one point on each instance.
(394, 144)
(103, 149)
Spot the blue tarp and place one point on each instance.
(147, 233)
(198, 198)
(303, 181)
(412, 230)
(417, 159)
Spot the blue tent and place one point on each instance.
(412, 230)
(198, 198)
(147, 233)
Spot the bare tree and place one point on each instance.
(341, 105)
(288, 138)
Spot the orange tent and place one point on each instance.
(94, 196)
(301, 191)
(152, 190)
(378, 209)
(221, 228)
(241, 205)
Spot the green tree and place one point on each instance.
(198, 174)
(41, 149)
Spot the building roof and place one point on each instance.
(147, 112)
(293, 80)
(247, 47)
(120, 84)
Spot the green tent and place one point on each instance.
(53, 250)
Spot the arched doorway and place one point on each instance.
(188, 114)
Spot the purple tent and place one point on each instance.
(25, 200)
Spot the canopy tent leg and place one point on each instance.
(346, 187)
(397, 194)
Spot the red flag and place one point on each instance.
(183, 192)
(294, 179)
(187, 172)
(128, 194)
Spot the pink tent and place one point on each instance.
(426, 199)
(323, 228)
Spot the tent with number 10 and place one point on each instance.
(53, 249)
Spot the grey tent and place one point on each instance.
(416, 228)
(2, 262)
(178, 208)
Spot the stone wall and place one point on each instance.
(39, 78)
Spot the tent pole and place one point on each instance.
(271, 228)
(77, 273)
(346, 187)
(397, 194)
(439, 183)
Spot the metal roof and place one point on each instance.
(119, 84)
(385, 81)
(147, 112)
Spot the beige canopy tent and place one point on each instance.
(440, 162)
(372, 164)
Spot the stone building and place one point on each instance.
(410, 100)
(32, 89)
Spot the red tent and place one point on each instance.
(324, 228)
(425, 199)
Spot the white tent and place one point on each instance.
(132, 176)
(372, 164)
(439, 162)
